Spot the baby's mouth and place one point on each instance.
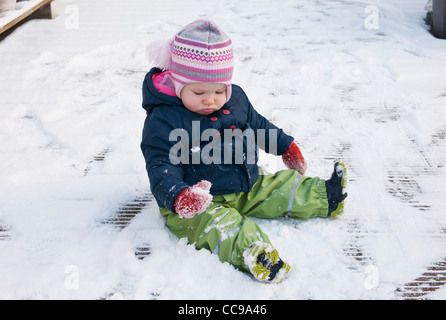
(207, 110)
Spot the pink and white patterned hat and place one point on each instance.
(201, 52)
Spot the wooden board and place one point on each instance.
(11, 18)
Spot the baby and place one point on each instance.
(200, 142)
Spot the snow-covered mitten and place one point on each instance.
(294, 159)
(264, 263)
(193, 200)
(335, 187)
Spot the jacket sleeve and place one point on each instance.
(166, 178)
(274, 141)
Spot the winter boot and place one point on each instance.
(264, 263)
(335, 186)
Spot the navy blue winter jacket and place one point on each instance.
(177, 147)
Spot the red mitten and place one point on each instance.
(294, 159)
(193, 200)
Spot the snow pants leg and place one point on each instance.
(225, 228)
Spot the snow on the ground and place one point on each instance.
(368, 91)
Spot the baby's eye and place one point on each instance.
(198, 93)
(220, 92)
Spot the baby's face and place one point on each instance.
(204, 98)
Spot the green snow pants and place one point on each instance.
(225, 228)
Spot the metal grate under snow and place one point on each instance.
(430, 281)
(127, 212)
(344, 153)
(353, 248)
(142, 251)
(124, 216)
(97, 158)
(4, 232)
(403, 185)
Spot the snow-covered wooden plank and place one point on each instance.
(24, 9)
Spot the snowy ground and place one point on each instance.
(346, 82)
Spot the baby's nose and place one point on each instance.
(208, 101)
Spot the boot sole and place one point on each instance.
(344, 175)
(274, 270)
(340, 209)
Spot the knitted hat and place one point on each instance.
(200, 52)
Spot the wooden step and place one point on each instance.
(41, 9)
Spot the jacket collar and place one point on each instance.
(152, 97)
